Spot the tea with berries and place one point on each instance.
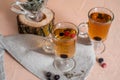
(99, 24)
(65, 40)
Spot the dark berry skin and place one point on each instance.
(48, 79)
(61, 34)
(103, 65)
(63, 56)
(29, 0)
(66, 33)
(100, 16)
(48, 74)
(56, 77)
(100, 60)
(97, 38)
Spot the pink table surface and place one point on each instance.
(74, 11)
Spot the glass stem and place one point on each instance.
(99, 47)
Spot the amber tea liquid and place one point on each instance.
(99, 24)
(65, 40)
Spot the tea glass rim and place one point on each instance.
(112, 14)
(77, 30)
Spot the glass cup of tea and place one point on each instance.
(64, 37)
(97, 27)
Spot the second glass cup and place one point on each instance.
(98, 26)
(64, 37)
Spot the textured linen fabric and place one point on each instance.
(26, 49)
(2, 72)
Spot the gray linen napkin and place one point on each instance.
(2, 73)
(26, 49)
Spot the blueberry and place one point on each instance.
(61, 34)
(48, 74)
(63, 56)
(56, 77)
(29, 0)
(48, 79)
(100, 16)
(100, 60)
(97, 38)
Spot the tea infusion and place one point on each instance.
(99, 26)
(65, 42)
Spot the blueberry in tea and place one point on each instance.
(100, 16)
(61, 34)
(63, 56)
(97, 38)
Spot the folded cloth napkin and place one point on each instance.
(2, 73)
(26, 49)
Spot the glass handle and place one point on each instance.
(48, 46)
(83, 30)
(17, 8)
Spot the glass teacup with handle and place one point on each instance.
(64, 36)
(97, 27)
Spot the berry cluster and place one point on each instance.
(49, 76)
(102, 63)
(67, 33)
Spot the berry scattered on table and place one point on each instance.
(48, 79)
(103, 65)
(48, 74)
(57, 77)
(100, 60)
